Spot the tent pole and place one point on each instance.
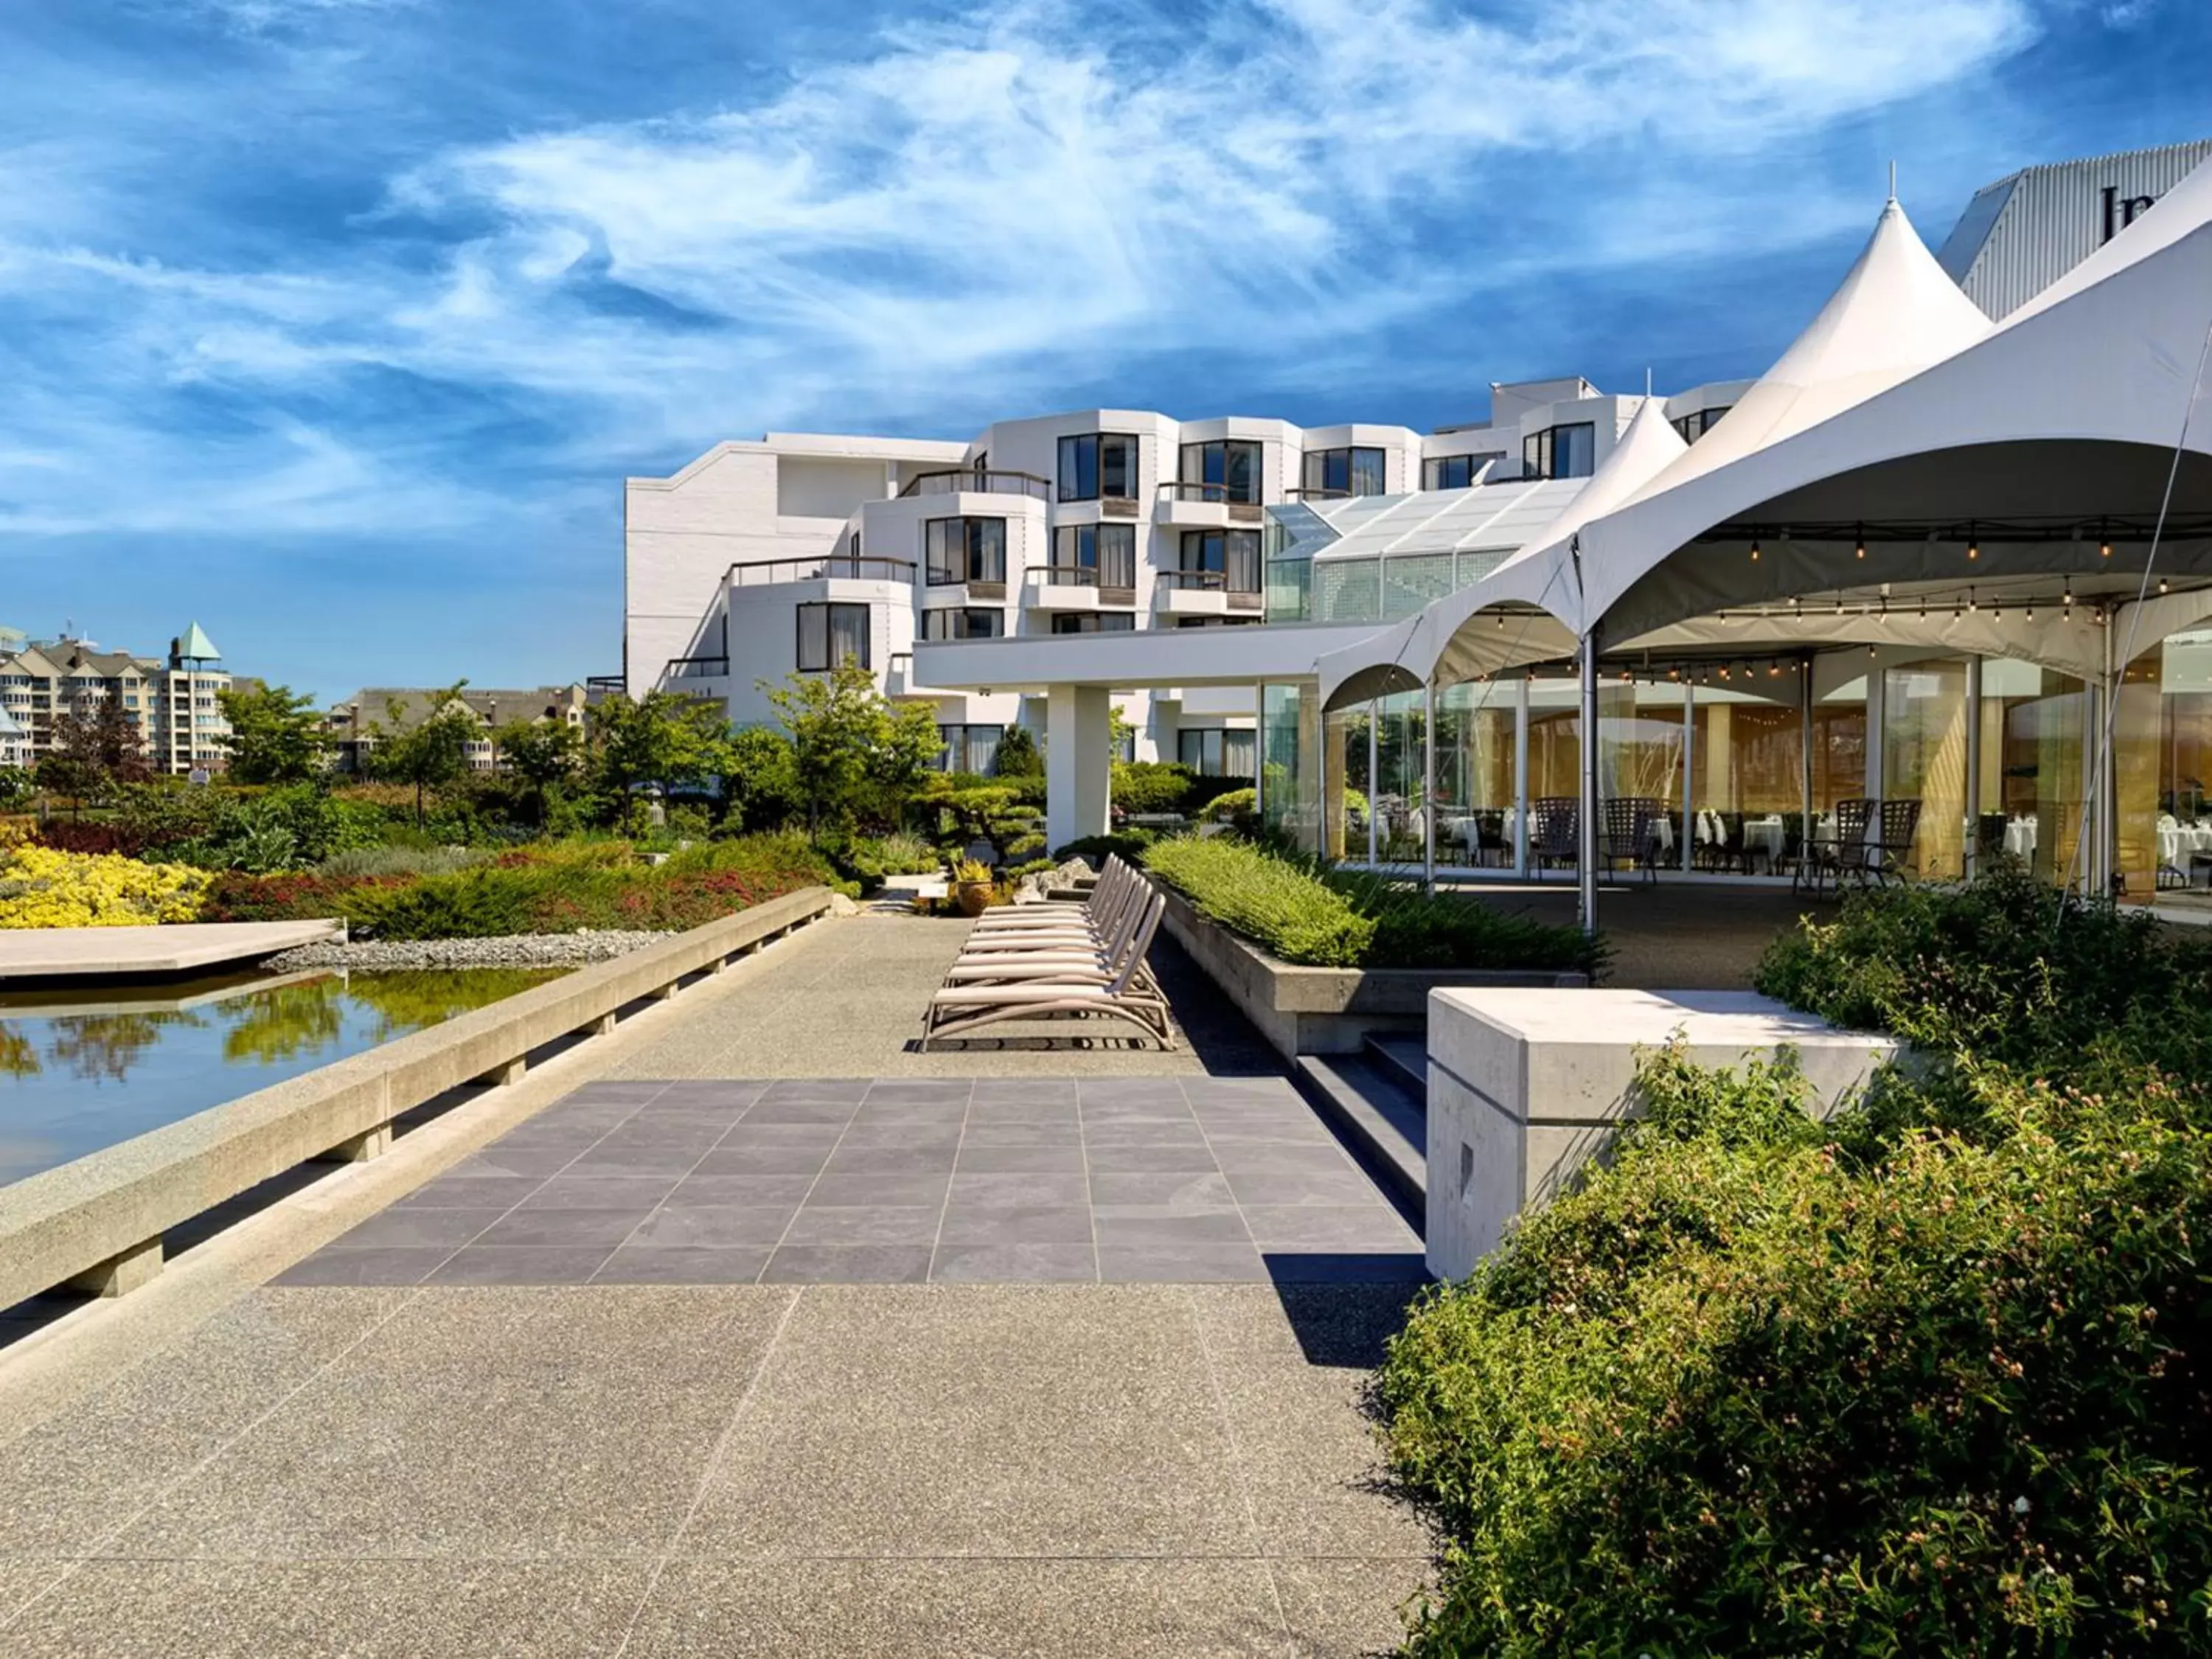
(1586, 842)
(1521, 776)
(1258, 754)
(1974, 856)
(1804, 760)
(1689, 775)
(1429, 788)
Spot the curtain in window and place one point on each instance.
(987, 549)
(849, 634)
(942, 550)
(1241, 561)
(813, 637)
(1117, 467)
(1117, 556)
(1237, 760)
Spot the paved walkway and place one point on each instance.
(1166, 1468)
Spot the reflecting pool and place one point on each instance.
(83, 1067)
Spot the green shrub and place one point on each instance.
(1238, 807)
(1274, 903)
(1150, 785)
(391, 860)
(1738, 1395)
(1017, 755)
(1415, 930)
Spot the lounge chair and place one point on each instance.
(1063, 990)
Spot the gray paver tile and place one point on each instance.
(1056, 1132)
(1282, 1157)
(565, 1226)
(839, 1090)
(1020, 1419)
(670, 1161)
(728, 1225)
(1022, 1091)
(384, 1265)
(1327, 1226)
(1161, 1189)
(610, 1192)
(890, 1160)
(716, 1191)
(921, 1137)
(495, 1161)
(970, 1188)
(1064, 1159)
(1022, 1224)
(1346, 1183)
(418, 1228)
(646, 1264)
(474, 1193)
(1180, 1264)
(521, 1264)
(800, 1157)
(732, 1095)
(1196, 1158)
(779, 1110)
(1127, 1225)
(863, 1224)
(899, 1188)
(485, 1423)
(847, 1264)
(1013, 1264)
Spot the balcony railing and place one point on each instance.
(696, 668)
(762, 573)
(981, 481)
(1115, 587)
(607, 683)
(1201, 581)
(1318, 495)
(1209, 492)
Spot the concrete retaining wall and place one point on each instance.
(1326, 1011)
(97, 1221)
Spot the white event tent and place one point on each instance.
(1907, 474)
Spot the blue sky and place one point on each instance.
(335, 324)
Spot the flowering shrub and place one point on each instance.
(43, 887)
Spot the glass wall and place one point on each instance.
(1923, 758)
(1399, 798)
(1290, 749)
(1474, 789)
(2162, 757)
(2033, 727)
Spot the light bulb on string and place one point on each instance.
(1974, 542)
(2104, 542)
(1860, 550)
(1754, 550)
(2067, 598)
(2161, 584)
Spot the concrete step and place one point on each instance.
(1404, 1057)
(1385, 1123)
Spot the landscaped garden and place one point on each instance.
(1934, 1376)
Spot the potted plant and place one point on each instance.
(972, 886)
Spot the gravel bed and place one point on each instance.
(516, 951)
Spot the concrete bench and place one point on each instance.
(1526, 1084)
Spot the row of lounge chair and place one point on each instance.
(1059, 960)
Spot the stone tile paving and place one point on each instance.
(860, 1181)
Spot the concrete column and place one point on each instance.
(1078, 761)
(373, 1143)
(1586, 846)
(120, 1274)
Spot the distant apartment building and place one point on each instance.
(762, 559)
(15, 741)
(172, 700)
(355, 724)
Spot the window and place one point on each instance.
(1455, 472)
(1215, 751)
(1560, 452)
(1098, 464)
(966, 550)
(1344, 471)
(1217, 622)
(1234, 554)
(1232, 463)
(971, 624)
(1694, 426)
(1108, 551)
(830, 634)
(1094, 622)
(970, 748)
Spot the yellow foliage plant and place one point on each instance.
(40, 887)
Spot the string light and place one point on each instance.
(1974, 542)
(1861, 549)
(1971, 606)
(2069, 595)
(2161, 584)
(2104, 542)
(1754, 550)
(2028, 609)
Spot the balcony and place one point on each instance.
(1072, 587)
(696, 668)
(1203, 507)
(843, 567)
(1200, 593)
(899, 679)
(978, 481)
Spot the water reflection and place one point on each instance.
(84, 1068)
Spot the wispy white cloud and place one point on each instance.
(957, 218)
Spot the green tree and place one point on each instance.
(763, 785)
(1017, 754)
(276, 736)
(429, 754)
(661, 741)
(544, 753)
(16, 786)
(856, 752)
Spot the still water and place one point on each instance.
(83, 1069)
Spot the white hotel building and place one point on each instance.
(1437, 619)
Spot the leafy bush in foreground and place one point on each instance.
(1737, 1395)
